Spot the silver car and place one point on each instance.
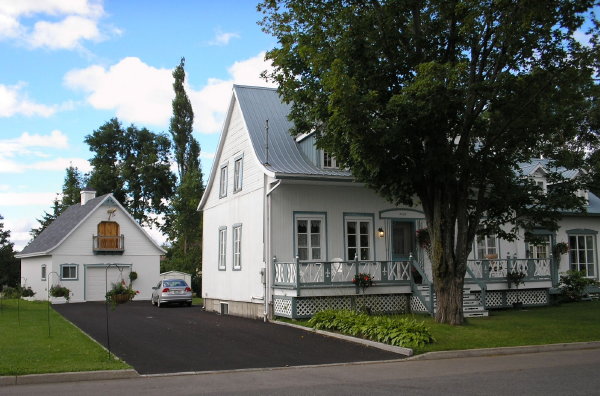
(171, 291)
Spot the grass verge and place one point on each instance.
(571, 322)
(28, 349)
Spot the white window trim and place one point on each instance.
(222, 252)
(334, 164)
(486, 239)
(236, 236)
(238, 174)
(322, 235)
(358, 247)
(587, 264)
(44, 271)
(62, 266)
(223, 181)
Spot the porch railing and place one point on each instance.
(496, 270)
(339, 273)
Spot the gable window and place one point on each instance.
(68, 272)
(237, 247)
(329, 161)
(487, 247)
(359, 238)
(582, 253)
(238, 174)
(541, 183)
(222, 248)
(223, 182)
(310, 237)
(43, 271)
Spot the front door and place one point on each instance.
(403, 239)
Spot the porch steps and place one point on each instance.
(472, 307)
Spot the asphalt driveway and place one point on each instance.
(181, 339)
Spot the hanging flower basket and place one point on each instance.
(60, 291)
(120, 294)
(363, 281)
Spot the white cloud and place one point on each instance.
(137, 92)
(65, 34)
(26, 199)
(19, 229)
(28, 145)
(78, 21)
(13, 102)
(222, 38)
(142, 94)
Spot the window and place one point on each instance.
(237, 174)
(358, 239)
(329, 161)
(68, 272)
(222, 248)
(540, 249)
(237, 247)
(223, 182)
(310, 233)
(43, 271)
(541, 183)
(487, 246)
(582, 253)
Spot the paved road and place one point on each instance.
(548, 373)
(180, 339)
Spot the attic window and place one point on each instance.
(541, 183)
(329, 161)
(223, 182)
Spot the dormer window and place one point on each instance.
(541, 183)
(328, 161)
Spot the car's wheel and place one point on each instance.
(152, 301)
(158, 304)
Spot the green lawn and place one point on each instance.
(26, 347)
(573, 322)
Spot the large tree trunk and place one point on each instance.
(449, 293)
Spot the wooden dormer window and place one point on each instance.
(109, 238)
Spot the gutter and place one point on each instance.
(267, 245)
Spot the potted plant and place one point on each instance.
(27, 292)
(60, 291)
(560, 248)
(120, 293)
(424, 240)
(363, 280)
(515, 278)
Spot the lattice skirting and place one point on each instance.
(416, 305)
(505, 298)
(305, 307)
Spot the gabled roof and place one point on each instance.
(260, 104)
(529, 168)
(65, 224)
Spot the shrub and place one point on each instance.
(573, 284)
(27, 292)
(11, 292)
(393, 330)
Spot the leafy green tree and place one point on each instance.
(437, 102)
(47, 218)
(10, 269)
(134, 165)
(185, 221)
(71, 191)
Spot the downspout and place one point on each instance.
(267, 253)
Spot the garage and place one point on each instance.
(98, 279)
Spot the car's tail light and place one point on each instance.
(187, 289)
(165, 290)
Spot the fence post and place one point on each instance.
(297, 264)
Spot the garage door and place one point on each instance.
(95, 280)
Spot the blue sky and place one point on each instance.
(67, 67)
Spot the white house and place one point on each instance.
(286, 230)
(89, 246)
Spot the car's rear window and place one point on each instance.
(174, 283)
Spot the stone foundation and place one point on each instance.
(235, 308)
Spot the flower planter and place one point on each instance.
(120, 298)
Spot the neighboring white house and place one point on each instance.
(177, 275)
(286, 230)
(89, 246)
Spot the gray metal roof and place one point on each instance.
(61, 227)
(259, 104)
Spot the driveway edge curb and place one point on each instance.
(573, 346)
(373, 344)
(77, 376)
